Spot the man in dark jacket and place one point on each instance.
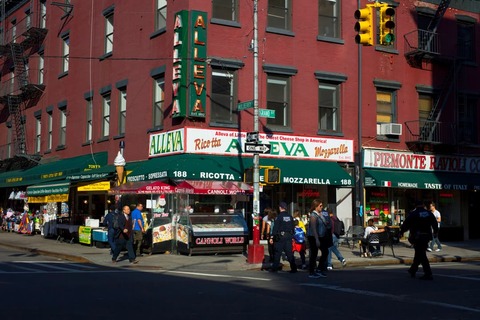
(108, 221)
(124, 236)
(282, 235)
(420, 222)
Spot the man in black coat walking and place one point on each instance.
(420, 222)
(124, 236)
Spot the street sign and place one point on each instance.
(252, 136)
(257, 148)
(266, 113)
(245, 105)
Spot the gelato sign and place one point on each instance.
(231, 143)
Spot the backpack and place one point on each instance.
(299, 235)
(115, 222)
(339, 228)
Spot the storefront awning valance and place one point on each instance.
(104, 172)
(144, 187)
(54, 170)
(189, 167)
(310, 172)
(421, 180)
(213, 187)
(46, 189)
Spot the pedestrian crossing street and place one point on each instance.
(37, 267)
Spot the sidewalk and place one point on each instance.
(451, 251)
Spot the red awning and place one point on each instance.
(144, 187)
(213, 187)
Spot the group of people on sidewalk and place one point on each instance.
(287, 234)
(125, 232)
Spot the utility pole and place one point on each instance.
(255, 251)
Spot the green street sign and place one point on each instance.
(245, 105)
(266, 113)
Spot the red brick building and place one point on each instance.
(166, 77)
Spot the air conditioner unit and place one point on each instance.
(393, 129)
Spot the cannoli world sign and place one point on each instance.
(189, 64)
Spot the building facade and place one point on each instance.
(171, 83)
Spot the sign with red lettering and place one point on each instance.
(398, 160)
(220, 241)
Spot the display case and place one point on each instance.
(211, 233)
(159, 235)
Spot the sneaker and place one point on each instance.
(134, 261)
(344, 263)
(303, 267)
(438, 250)
(329, 268)
(314, 276)
(429, 250)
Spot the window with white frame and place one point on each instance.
(63, 127)
(109, 32)
(225, 10)
(38, 134)
(122, 111)
(49, 130)
(278, 99)
(65, 53)
(158, 100)
(106, 102)
(41, 68)
(223, 106)
(43, 14)
(328, 18)
(279, 14)
(161, 17)
(329, 107)
(89, 121)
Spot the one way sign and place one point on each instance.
(257, 148)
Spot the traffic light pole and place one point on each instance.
(255, 250)
(359, 169)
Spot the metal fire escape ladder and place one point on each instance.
(15, 107)
(430, 126)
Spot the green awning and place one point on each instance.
(310, 172)
(189, 167)
(421, 180)
(54, 170)
(46, 189)
(224, 168)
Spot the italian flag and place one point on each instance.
(387, 183)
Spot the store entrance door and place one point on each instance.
(473, 216)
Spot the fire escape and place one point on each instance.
(422, 47)
(18, 42)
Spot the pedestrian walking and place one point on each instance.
(420, 222)
(124, 236)
(138, 229)
(319, 237)
(435, 239)
(282, 235)
(334, 248)
(108, 221)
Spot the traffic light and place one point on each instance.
(386, 25)
(272, 176)
(364, 26)
(248, 175)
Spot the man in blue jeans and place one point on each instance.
(334, 248)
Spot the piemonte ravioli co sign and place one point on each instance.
(231, 143)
